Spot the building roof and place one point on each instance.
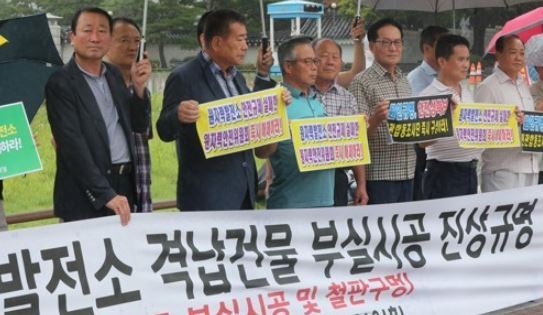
(334, 26)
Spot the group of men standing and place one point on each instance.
(100, 118)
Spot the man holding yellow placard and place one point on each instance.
(225, 182)
(390, 175)
(450, 170)
(509, 167)
(292, 188)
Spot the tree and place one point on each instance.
(11, 9)
(168, 21)
(173, 20)
(480, 18)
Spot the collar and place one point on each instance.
(443, 89)
(440, 87)
(381, 71)
(103, 71)
(503, 77)
(230, 72)
(296, 93)
(426, 68)
(334, 87)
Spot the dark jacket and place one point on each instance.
(219, 183)
(82, 187)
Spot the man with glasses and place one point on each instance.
(292, 188)
(123, 53)
(390, 175)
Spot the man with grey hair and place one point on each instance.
(338, 102)
(292, 188)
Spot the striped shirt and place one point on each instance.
(389, 162)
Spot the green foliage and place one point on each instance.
(15, 8)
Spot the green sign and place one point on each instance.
(18, 154)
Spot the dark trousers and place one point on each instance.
(246, 203)
(124, 185)
(383, 191)
(449, 179)
(540, 180)
(341, 187)
(419, 172)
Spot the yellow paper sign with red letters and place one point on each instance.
(330, 142)
(242, 122)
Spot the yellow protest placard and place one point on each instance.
(330, 142)
(242, 122)
(486, 126)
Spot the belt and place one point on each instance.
(120, 169)
(468, 164)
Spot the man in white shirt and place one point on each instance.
(510, 167)
(450, 170)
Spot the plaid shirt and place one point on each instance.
(388, 161)
(337, 100)
(143, 169)
(143, 173)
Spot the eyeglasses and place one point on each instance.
(307, 61)
(128, 41)
(387, 43)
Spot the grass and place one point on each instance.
(34, 191)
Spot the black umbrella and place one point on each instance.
(28, 57)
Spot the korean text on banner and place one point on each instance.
(486, 126)
(417, 119)
(330, 142)
(18, 154)
(532, 132)
(242, 122)
(466, 255)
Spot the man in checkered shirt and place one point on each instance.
(390, 174)
(126, 43)
(337, 101)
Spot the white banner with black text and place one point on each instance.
(466, 255)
